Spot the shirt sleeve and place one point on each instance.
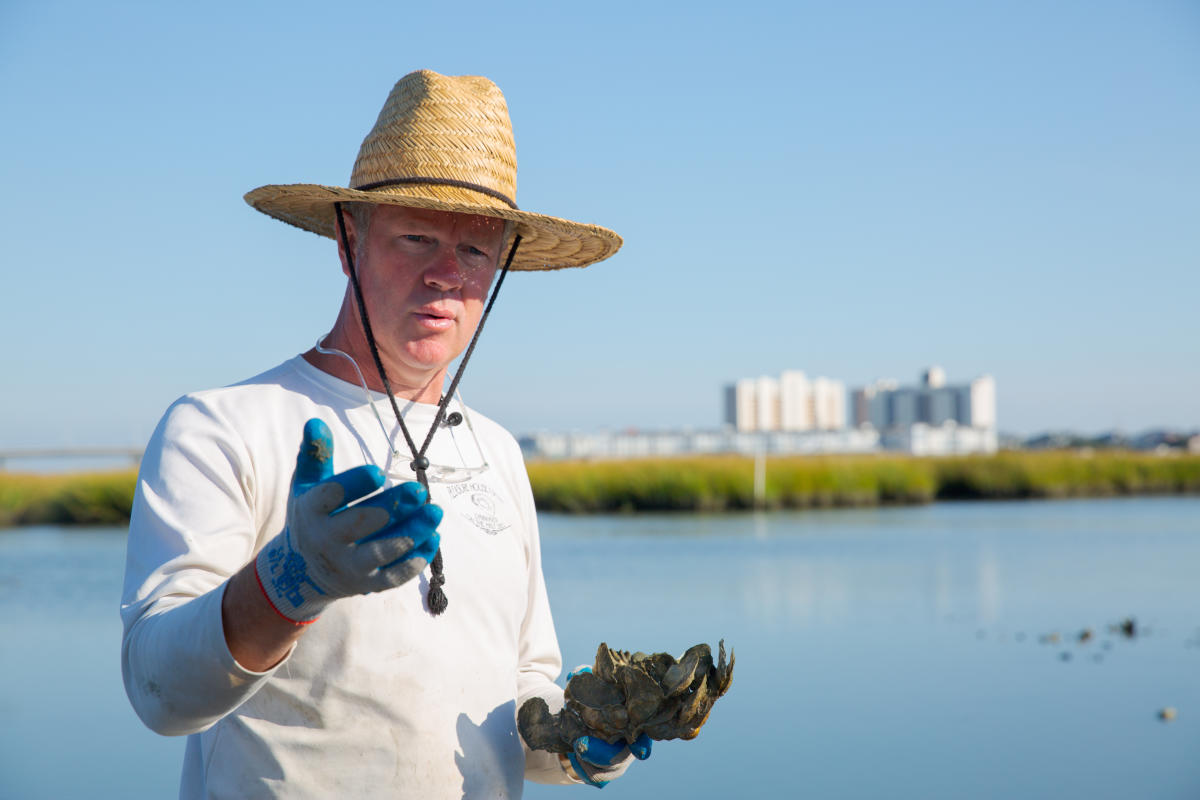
(192, 526)
(541, 661)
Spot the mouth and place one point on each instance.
(434, 318)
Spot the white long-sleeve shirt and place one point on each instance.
(379, 698)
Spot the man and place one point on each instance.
(298, 633)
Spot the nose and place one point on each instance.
(444, 273)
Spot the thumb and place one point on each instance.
(640, 747)
(314, 462)
(595, 750)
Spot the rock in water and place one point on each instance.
(626, 695)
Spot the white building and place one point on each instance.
(637, 444)
(740, 410)
(793, 414)
(766, 404)
(795, 411)
(829, 404)
(790, 403)
(981, 403)
(885, 404)
(931, 418)
(946, 439)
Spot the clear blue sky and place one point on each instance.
(854, 189)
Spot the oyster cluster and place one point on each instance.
(626, 695)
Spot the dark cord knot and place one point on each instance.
(436, 597)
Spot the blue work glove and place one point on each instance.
(331, 549)
(595, 761)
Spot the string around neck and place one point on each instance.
(436, 596)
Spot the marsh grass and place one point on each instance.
(80, 498)
(711, 483)
(721, 483)
(1066, 474)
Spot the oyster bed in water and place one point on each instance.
(626, 695)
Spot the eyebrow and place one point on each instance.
(477, 233)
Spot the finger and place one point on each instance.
(584, 773)
(373, 555)
(426, 550)
(414, 536)
(641, 747)
(413, 558)
(353, 524)
(314, 462)
(595, 750)
(343, 488)
(419, 526)
(400, 503)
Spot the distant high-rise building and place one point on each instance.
(829, 404)
(981, 403)
(885, 405)
(795, 411)
(766, 404)
(741, 411)
(790, 403)
(872, 404)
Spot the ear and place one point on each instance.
(351, 238)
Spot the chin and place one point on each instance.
(430, 359)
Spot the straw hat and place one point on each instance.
(445, 143)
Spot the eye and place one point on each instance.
(474, 257)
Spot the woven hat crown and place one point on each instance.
(440, 127)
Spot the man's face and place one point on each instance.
(425, 277)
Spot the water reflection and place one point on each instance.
(831, 591)
(988, 581)
(800, 593)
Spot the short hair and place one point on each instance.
(361, 213)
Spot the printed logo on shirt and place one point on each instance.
(480, 505)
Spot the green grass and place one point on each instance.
(718, 483)
(712, 483)
(721, 483)
(1066, 474)
(80, 498)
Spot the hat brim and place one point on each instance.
(546, 242)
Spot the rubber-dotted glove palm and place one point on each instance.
(596, 762)
(331, 549)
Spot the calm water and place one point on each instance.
(896, 653)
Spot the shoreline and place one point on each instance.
(713, 483)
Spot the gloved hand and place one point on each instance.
(330, 549)
(595, 761)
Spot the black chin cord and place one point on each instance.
(436, 597)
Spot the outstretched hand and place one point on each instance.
(597, 762)
(334, 547)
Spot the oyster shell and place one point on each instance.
(626, 695)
